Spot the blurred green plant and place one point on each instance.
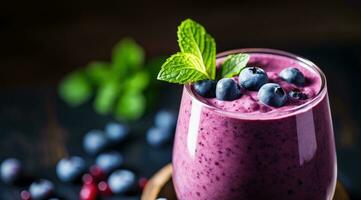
(123, 87)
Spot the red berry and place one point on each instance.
(104, 189)
(88, 179)
(88, 192)
(97, 173)
(142, 182)
(25, 195)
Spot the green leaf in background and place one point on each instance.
(137, 82)
(193, 38)
(75, 89)
(234, 64)
(127, 56)
(182, 68)
(98, 72)
(130, 106)
(120, 87)
(106, 96)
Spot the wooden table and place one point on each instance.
(160, 185)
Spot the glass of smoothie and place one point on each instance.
(244, 149)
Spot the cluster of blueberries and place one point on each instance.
(253, 79)
(105, 177)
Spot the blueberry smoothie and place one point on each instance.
(263, 134)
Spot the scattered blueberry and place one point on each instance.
(165, 119)
(94, 142)
(109, 161)
(157, 137)
(252, 78)
(206, 88)
(41, 190)
(228, 90)
(293, 75)
(121, 181)
(272, 94)
(11, 170)
(70, 169)
(297, 94)
(116, 132)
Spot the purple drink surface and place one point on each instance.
(243, 149)
(273, 65)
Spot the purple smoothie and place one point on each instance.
(243, 149)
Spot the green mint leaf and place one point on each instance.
(182, 68)
(234, 64)
(193, 38)
(130, 106)
(98, 72)
(106, 96)
(75, 89)
(127, 56)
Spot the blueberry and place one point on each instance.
(11, 170)
(157, 137)
(70, 169)
(41, 190)
(296, 94)
(272, 94)
(109, 161)
(165, 119)
(252, 78)
(227, 90)
(94, 142)
(206, 88)
(293, 75)
(121, 181)
(116, 132)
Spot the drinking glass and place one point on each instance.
(224, 155)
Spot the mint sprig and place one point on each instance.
(197, 59)
(234, 64)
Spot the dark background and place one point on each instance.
(41, 41)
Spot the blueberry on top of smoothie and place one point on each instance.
(272, 94)
(206, 88)
(293, 75)
(252, 78)
(227, 90)
(296, 94)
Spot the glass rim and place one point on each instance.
(280, 114)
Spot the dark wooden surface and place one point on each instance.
(40, 129)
